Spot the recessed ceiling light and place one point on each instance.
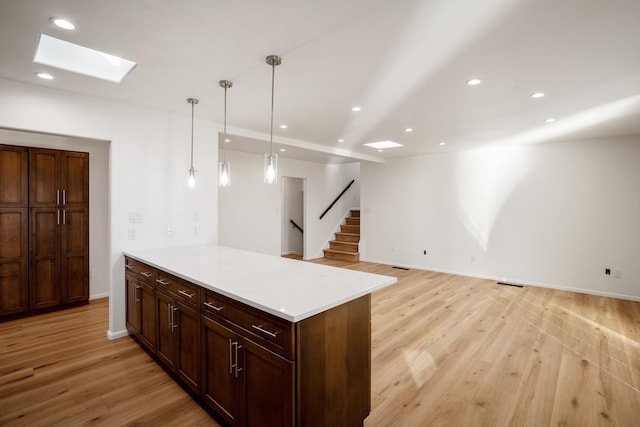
(380, 150)
(537, 95)
(383, 144)
(550, 120)
(227, 140)
(283, 126)
(341, 140)
(63, 23)
(283, 150)
(474, 82)
(356, 108)
(442, 143)
(408, 130)
(82, 60)
(45, 76)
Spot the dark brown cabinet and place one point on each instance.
(254, 368)
(245, 383)
(178, 345)
(59, 200)
(14, 273)
(14, 231)
(58, 178)
(44, 219)
(141, 305)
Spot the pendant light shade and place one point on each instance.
(270, 159)
(224, 167)
(191, 182)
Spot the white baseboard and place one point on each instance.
(117, 334)
(98, 296)
(515, 281)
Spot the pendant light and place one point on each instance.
(224, 167)
(270, 159)
(192, 172)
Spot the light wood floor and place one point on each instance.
(447, 350)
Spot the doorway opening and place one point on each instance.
(293, 208)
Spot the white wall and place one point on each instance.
(293, 209)
(98, 197)
(250, 210)
(549, 215)
(148, 164)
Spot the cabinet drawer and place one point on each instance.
(267, 330)
(148, 274)
(182, 290)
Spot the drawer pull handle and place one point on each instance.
(128, 267)
(259, 327)
(146, 274)
(162, 282)
(185, 293)
(208, 304)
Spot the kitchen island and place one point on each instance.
(261, 340)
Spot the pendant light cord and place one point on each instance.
(273, 72)
(192, 112)
(224, 142)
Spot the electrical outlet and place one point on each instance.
(424, 252)
(133, 234)
(195, 216)
(607, 271)
(195, 229)
(473, 258)
(616, 273)
(169, 230)
(393, 248)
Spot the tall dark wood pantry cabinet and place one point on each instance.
(54, 235)
(14, 250)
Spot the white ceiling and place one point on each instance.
(405, 62)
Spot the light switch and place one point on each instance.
(134, 217)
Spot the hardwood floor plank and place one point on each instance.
(446, 351)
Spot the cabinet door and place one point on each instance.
(219, 384)
(165, 345)
(186, 330)
(74, 256)
(133, 303)
(268, 387)
(147, 334)
(13, 260)
(44, 178)
(14, 176)
(44, 280)
(75, 179)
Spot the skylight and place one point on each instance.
(383, 144)
(82, 60)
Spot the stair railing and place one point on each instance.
(337, 198)
(296, 225)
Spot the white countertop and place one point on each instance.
(290, 289)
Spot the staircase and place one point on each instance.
(345, 246)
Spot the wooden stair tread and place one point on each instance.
(345, 243)
(338, 251)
